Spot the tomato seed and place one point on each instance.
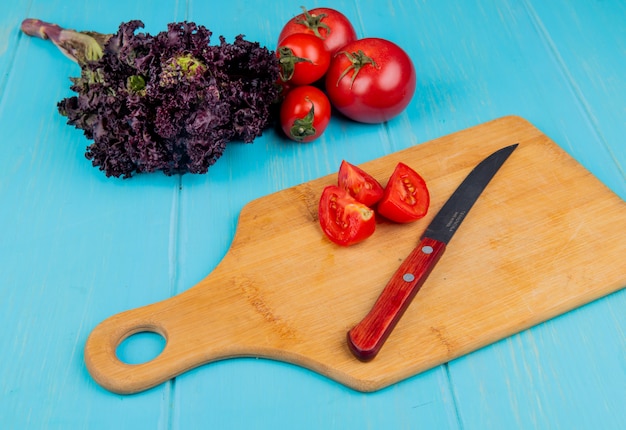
(408, 186)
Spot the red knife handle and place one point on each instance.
(367, 337)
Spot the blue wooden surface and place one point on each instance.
(77, 247)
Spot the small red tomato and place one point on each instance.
(359, 184)
(371, 80)
(406, 197)
(328, 24)
(305, 113)
(343, 219)
(302, 58)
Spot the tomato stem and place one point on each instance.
(358, 60)
(314, 22)
(303, 127)
(287, 61)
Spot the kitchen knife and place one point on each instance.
(367, 337)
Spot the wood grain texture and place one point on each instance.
(539, 242)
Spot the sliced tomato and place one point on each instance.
(343, 219)
(359, 184)
(406, 197)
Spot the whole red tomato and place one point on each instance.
(302, 58)
(371, 80)
(343, 219)
(330, 25)
(305, 113)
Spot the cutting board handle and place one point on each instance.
(101, 357)
(183, 321)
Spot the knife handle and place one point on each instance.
(367, 337)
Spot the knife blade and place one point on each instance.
(367, 337)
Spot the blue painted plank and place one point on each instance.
(12, 15)
(76, 247)
(588, 40)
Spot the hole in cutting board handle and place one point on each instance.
(140, 347)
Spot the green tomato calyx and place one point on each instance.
(303, 127)
(314, 22)
(358, 60)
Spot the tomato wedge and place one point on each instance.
(406, 197)
(343, 219)
(359, 184)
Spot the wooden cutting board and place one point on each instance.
(544, 238)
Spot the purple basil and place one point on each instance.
(172, 101)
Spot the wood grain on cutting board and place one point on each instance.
(545, 237)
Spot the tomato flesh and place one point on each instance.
(359, 184)
(406, 197)
(344, 220)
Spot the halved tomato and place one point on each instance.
(359, 184)
(343, 219)
(406, 197)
